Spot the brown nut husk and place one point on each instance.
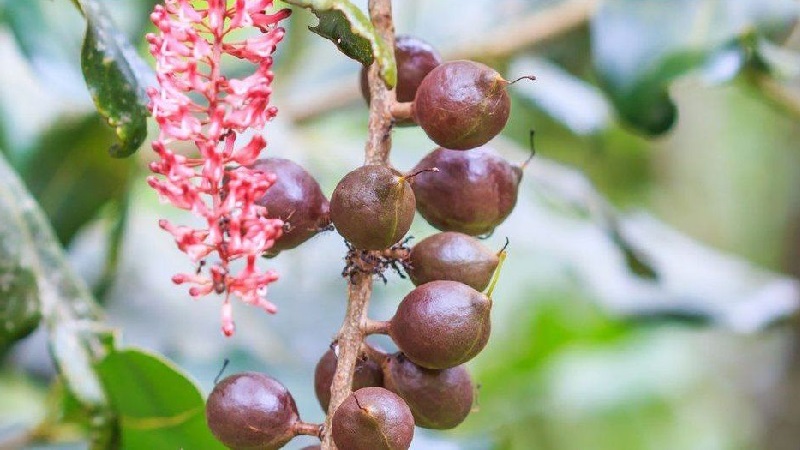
(367, 374)
(373, 418)
(251, 411)
(442, 324)
(438, 399)
(415, 59)
(452, 256)
(462, 104)
(373, 207)
(295, 198)
(473, 192)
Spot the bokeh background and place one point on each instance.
(667, 138)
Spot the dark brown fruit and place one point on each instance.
(415, 59)
(472, 193)
(295, 198)
(373, 418)
(251, 411)
(438, 399)
(368, 374)
(442, 324)
(462, 104)
(372, 207)
(452, 256)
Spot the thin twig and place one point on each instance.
(351, 335)
(527, 32)
(541, 26)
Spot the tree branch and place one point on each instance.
(379, 143)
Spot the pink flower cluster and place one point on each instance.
(196, 104)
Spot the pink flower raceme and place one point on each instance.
(195, 103)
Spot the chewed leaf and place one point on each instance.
(352, 32)
(116, 77)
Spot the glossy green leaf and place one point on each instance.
(116, 77)
(640, 46)
(77, 339)
(351, 30)
(159, 406)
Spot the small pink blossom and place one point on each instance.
(196, 104)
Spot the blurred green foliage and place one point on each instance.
(584, 355)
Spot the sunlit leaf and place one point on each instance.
(159, 406)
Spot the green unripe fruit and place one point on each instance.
(462, 104)
(438, 399)
(452, 256)
(373, 418)
(251, 411)
(442, 324)
(373, 207)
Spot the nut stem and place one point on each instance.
(307, 429)
(402, 111)
(375, 327)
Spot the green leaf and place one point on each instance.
(635, 260)
(77, 339)
(66, 173)
(116, 77)
(351, 30)
(640, 46)
(19, 307)
(158, 405)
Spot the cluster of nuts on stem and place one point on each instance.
(462, 188)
